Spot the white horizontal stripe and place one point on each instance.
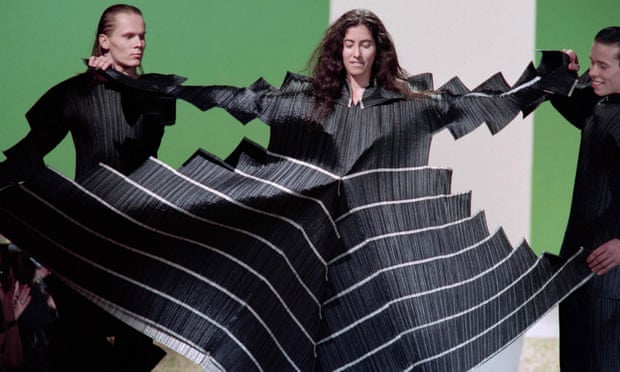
(407, 264)
(205, 220)
(152, 328)
(505, 94)
(213, 249)
(397, 202)
(534, 295)
(174, 265)
(416, 295)
(397, 233)
(131, 281)
(305, 164)
(294, 193)
(391, 170)
(357, 174)
(245, 206)
(417, 363)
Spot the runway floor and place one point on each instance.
(539, 353)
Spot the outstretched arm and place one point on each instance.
(496, 103)
(259, 100)
(291, 101)
(239, 102)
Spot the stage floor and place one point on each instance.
(539, 352)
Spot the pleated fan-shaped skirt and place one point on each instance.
(277, 264)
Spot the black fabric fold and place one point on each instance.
(335, 248)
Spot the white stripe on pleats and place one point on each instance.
(397, 233)
(245, 206)
(396, 202)
(136, 283)
(173, 265)
(420, 294)
(294, 193)
(390, 170)
(540, 290)
(489, 329)
(304, 164)
(352, 175)
(197, 353)
(230, 257)
(402, 265)
(205, 220)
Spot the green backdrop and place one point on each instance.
(210, 42)
(569, 24)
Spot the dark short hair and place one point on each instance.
(609, 36)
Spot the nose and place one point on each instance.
(356, 51)
(139, 42)
(593, 71)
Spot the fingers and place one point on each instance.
(605, 257)
(24, 290)
(99, 62)
(602, 267)
(572, 56)
(51, 303)
(22, 300)
(573, 61)
(15, 285)
(597, 261)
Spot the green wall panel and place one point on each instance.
(210, 42)
(561, 24)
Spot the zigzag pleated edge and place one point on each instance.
(556, 303)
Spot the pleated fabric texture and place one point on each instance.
(589, 321)
(337, 248)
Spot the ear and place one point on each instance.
(104, 42)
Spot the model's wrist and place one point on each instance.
(9, 324)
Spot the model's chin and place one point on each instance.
(599, 91)
(134, 62)
(357, 73)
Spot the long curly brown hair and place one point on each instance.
(328, 69)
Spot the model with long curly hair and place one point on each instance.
(329, 70)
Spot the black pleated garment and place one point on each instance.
(337, 248)
(108, 123)
(590, 318)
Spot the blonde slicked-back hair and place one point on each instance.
(107, 23)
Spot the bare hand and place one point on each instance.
(605, 257)
(100, 62)
(573, 61)
(14, 299)
(21, 299)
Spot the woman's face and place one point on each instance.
(125, 45)
(358, 54)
